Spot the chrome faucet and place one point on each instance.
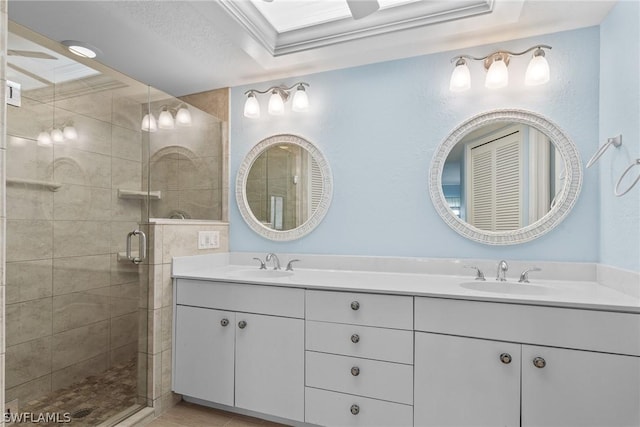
(479, 273)
(524, 277)
(276, 262)
(502, 271)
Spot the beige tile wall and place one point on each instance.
(168, 239)
(3, 145)
(71, 306)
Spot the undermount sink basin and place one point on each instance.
(505, 287)
(261, 274)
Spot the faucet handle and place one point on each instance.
(263, 266)
(479, 273)
(524, 277)
(290, 264)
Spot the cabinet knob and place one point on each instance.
(355, 338)
(355, 305)
(242, 324)
(539, 362)
(355, 371)
(355, 409)
(224, 322)
(505, 358)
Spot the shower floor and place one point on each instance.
(105, 395)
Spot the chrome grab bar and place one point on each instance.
(142, 246)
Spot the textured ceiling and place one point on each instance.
(184, 47)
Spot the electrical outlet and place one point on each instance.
(208, 239)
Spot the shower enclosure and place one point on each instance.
(83, 178)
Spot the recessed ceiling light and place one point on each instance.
(81, 48)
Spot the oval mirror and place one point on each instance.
(505, 177)
(284, 187)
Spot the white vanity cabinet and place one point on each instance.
(240, 345)
(489, 364)
(359, 359)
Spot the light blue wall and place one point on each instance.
(379, 125)
(620, 113)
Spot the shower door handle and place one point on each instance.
(142, 246)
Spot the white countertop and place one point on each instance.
(557, 293)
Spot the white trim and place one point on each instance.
(573, 182)
(241, 184)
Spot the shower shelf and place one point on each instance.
(50, 185)
(137, 194)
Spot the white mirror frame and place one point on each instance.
(241, 185)
(573, 178)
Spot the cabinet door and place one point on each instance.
(270, 365)
(463, 382)
(579, 388)
(204, 350)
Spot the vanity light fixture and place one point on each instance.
(44, 139)
(69, 132)
(279, 95)
(65, 133)
(167, 119)
(496, 65)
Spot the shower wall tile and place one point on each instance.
(202, 173)
(167, 325)
(76, 345)
(143, 336)
(28, 280)
(124, 330)
(29, 240)
(169, 202)
(166, 371)
(77, 202)
(83, 273)
(29, 202)
(118, 236)
(182, 240)
(93, 135)
(121, 355)
(167, 286)
(124, 299)
(164, 173)
(122, 271)
(155, 286)
(30, 119)
(31, 390)
(155, 244)
(200, 203)
(127, 112)
(126, 143)
(125, 209)
(74, 373)
(78, 309)
(28, 361)
(96, 105)
(126, 174)
(73, 166)
(27, 321)
(80, 238)
(29, 160)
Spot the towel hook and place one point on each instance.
(635, 181)
(616, 141)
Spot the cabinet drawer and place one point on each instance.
(552, 326)
(391, 345)
(274, 300)
(387, 311)
(363, 377)
(329, 408)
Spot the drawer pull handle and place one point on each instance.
(355, 371)
(355, 305)
(505, 358)
(224, 322)
(539, 362)
(242, 324)
(355, 409)
(355, 338)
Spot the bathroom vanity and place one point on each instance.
(340, 348)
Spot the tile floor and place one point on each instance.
(100, 397)
(186, 414)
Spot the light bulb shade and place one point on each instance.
(497, 76)
(165, 120)
(276, 104)
(183, 117)
(44, 138)
(57, 135)
(537, 71)
(252, 107)
(149, 123)
(300, 103)
(460, 78)
(70, 133)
